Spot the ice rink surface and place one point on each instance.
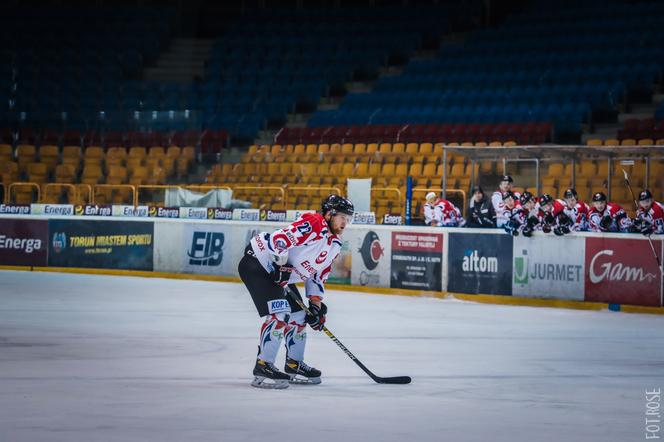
(107, 358)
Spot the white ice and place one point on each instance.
(104, 358)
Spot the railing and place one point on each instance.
(98, 187)
(391, 189)
(13, 186)
(71, 195)
(279, 189)
(88, 188)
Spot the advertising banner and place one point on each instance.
(480, 263)
(549, 267)
(163, 212)
(14, 209)
(417, 261)
(205, 249)
(168, 240)
(370, 257)
(100, 244)
(92, 210)
(622, 271)
(52, 209)
(23, 242)
(130, 211)
(342, 266)
(273, 215)
(219, 213)
(246, 214)
(194, 212)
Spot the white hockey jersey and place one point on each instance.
(310, 247)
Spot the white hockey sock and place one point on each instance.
(296, 336)
(272, 331)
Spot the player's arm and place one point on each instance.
(296, 234)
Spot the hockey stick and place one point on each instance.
(378, 379)
(636, 207)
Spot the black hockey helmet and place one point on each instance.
(525, 197)
(507, 178)
(599, 196)
(545, 199)
(509, 195)
(645, 195)
(337, 204)
(571, 193)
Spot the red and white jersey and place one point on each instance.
(446, 214)
(506, 214)
(620, 222)
(654, 216)
(499, 207)
(310, 245)
(557, 207)
(429, 213)
(578, 214)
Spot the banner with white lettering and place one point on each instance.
(417, 261)
(549, 267)
(480, 263)
(622, 271)
(23, 242)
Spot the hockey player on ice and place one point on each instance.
(302, 251)
(650, 215)
(576, 210)
(607, 217)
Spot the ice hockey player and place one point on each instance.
(552, 216)
(650, 215)
(526, 214)
(497, 197)
(576, 210)
(606, 216)
(302, 251)
(505, 218)
(480, 211)
(431, 199)
(446, 214)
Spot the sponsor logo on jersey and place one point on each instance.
(609, 271)
(473, 262)
(278, 306)
(59, 242)
(206, 249)
(321, 257)
(371, 250)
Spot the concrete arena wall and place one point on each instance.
(615, 269)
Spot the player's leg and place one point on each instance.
(295, 339)
(272, 305)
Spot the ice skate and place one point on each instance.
(301, 373)
(266, 375)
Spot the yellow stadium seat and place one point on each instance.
(626, 142)
(611, 142)
(594, 142)
(646, 142)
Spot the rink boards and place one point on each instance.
(606, 268)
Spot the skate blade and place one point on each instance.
(301, 380)
(269, 384)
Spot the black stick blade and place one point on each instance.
(394, 380)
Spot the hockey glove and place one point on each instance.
(316, 316)
(605, 223)
(561, 230)
(565, 220)
(546, 228)
(643, 226)
(281, 274)
(548, 218)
